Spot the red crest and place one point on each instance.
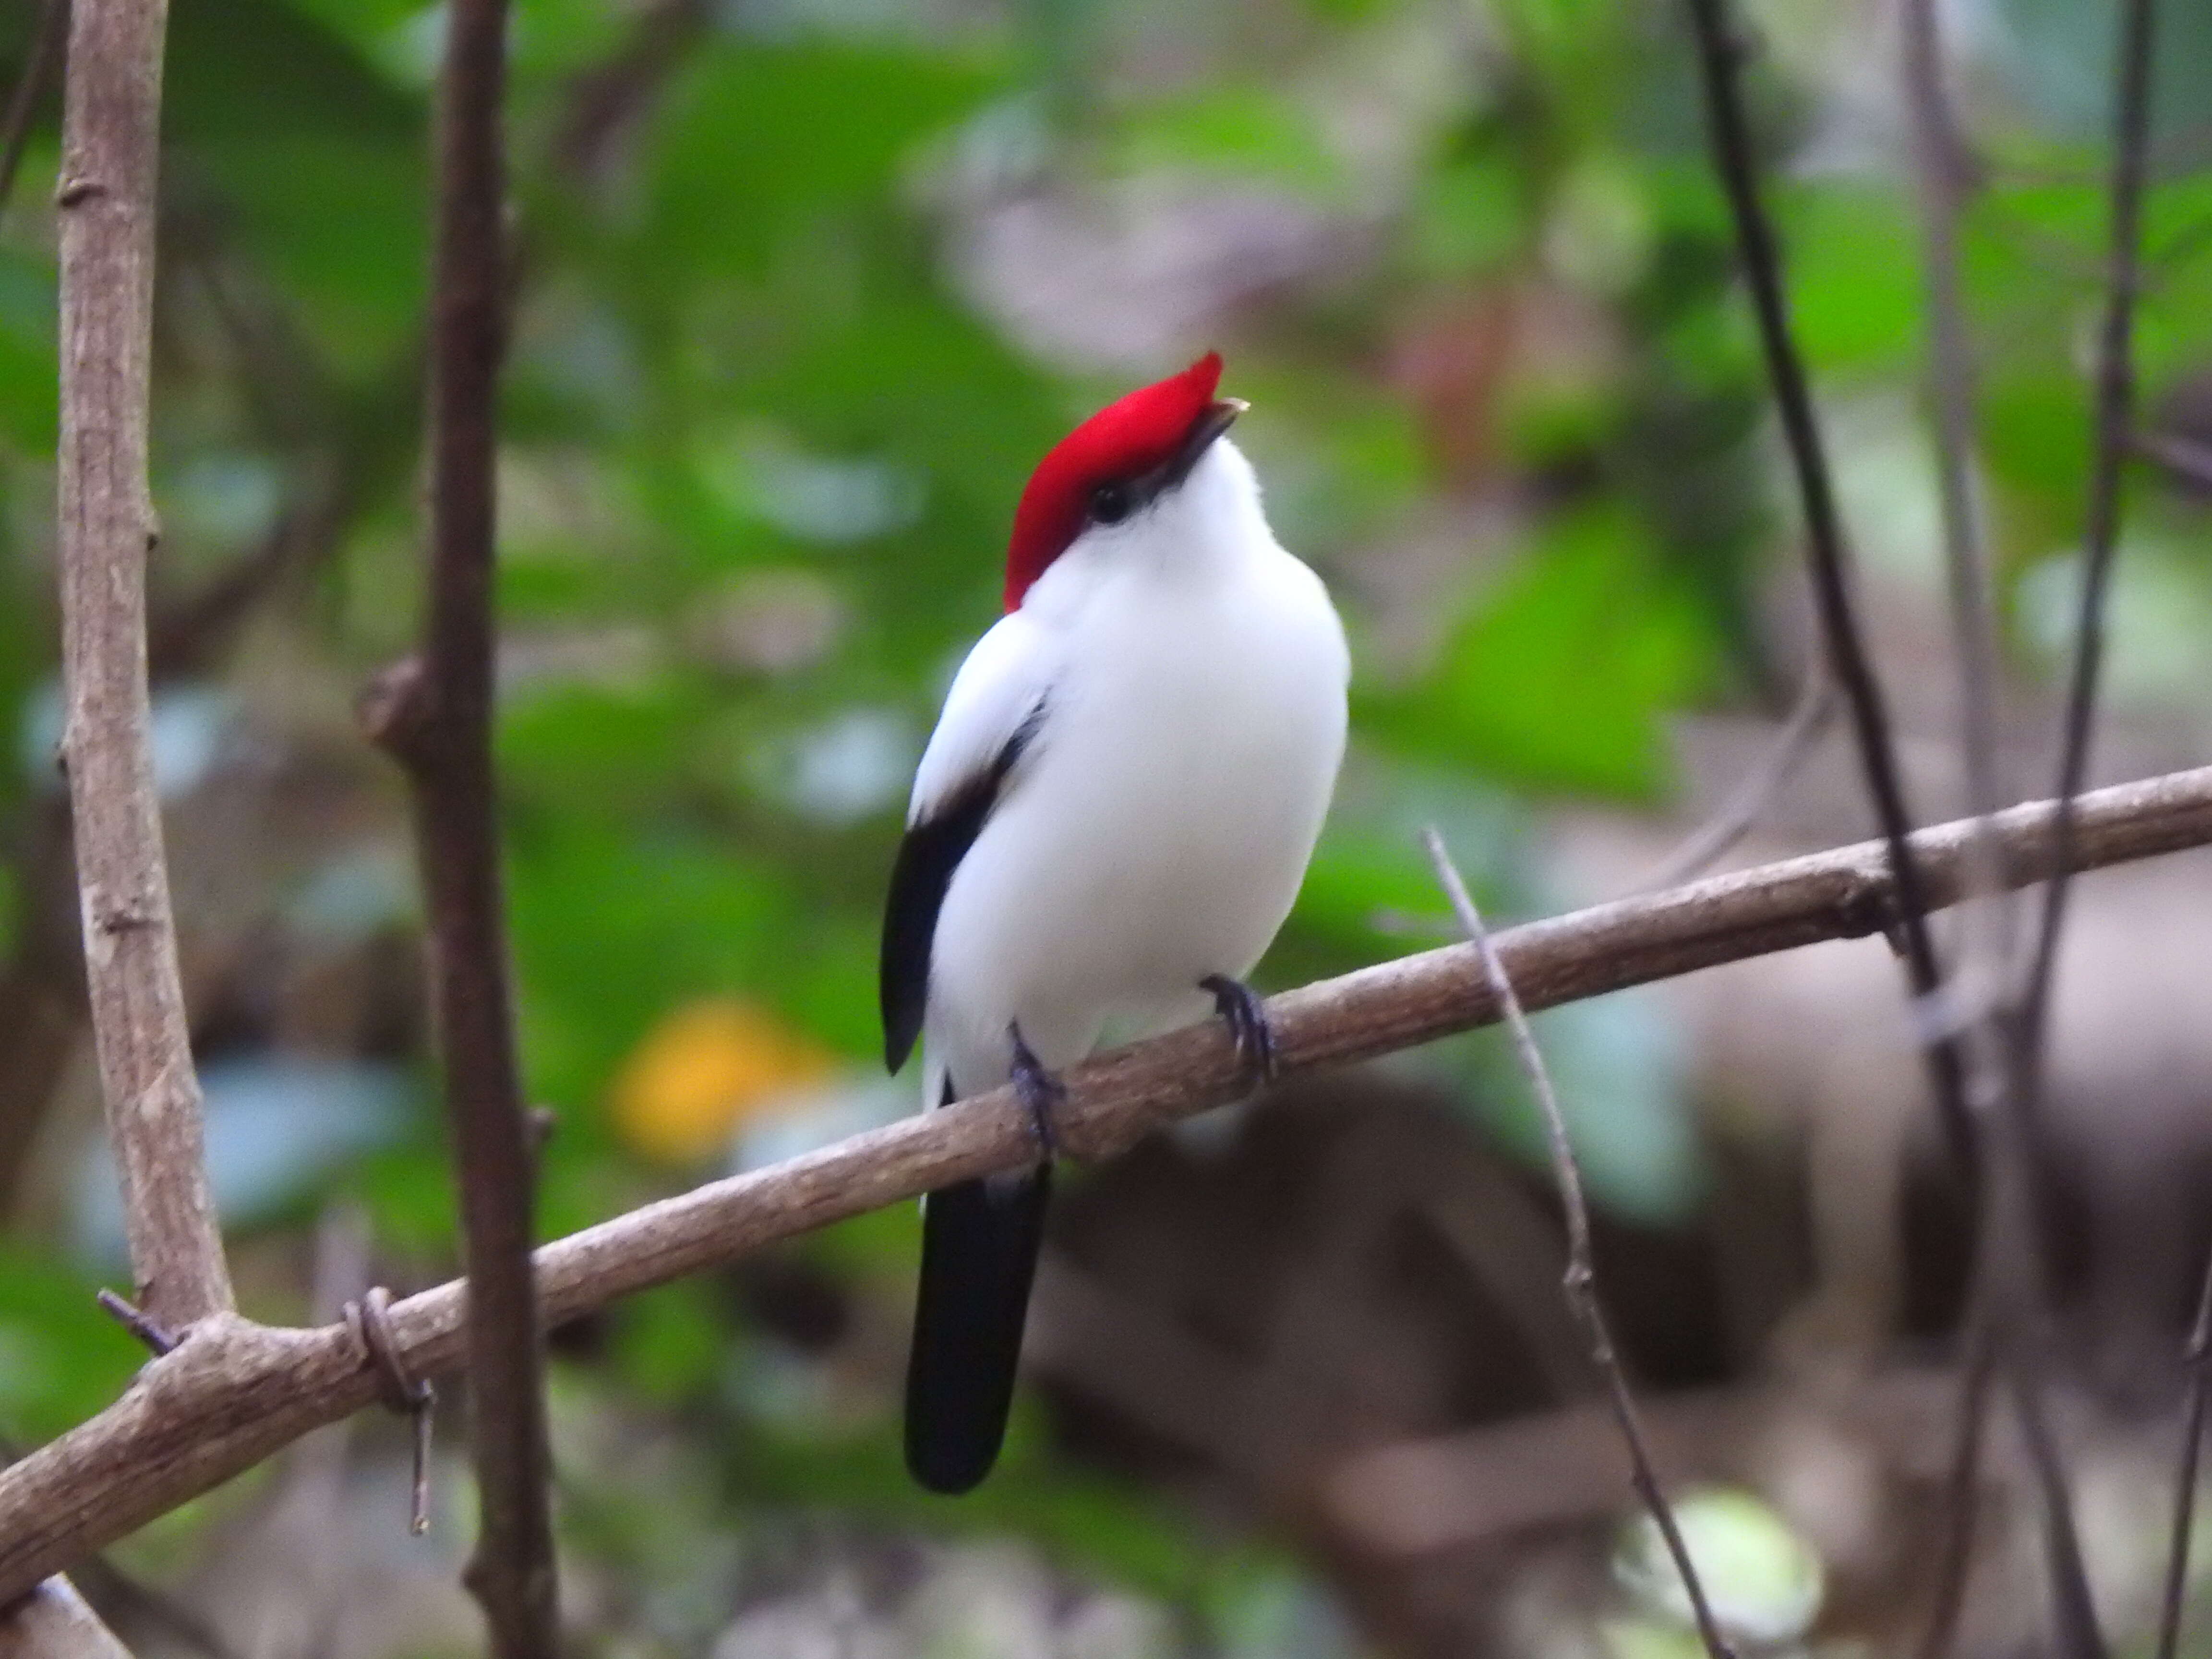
(1129, 436)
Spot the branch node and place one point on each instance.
(369, 1320)
(395, 710)
(154, 1335)
(125, 915)
(75, 191)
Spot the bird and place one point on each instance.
(1108, 826)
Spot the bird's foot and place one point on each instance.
(1239, 1006)
(1041, 1092)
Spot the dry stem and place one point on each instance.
(237, 1392)
(1580, 1280)
(110, 159)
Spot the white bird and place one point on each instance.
(1110, 824)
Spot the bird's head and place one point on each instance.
(1129, 463)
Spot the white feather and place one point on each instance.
(998, 684)
(1194, 676)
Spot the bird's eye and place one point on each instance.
(1110, 501)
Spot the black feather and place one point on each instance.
(979, 1253)
(922, 874)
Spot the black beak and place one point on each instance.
(1216, 418)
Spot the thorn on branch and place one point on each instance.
(369, 1320)
(125, 1314)
(394, 709)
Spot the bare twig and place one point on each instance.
(2187, 459)
(2069, 1582)
(1580, 1280)
(38, 65)
(436, 717)
(1962, 1490)
(604, 103)
(238, 1392)
(1754, 792)
(1719, 54)
(2009, 1325)
(157, 1340)
(2198, 1396)
(369, 1317)
(2115, 421)
(111, 158)
(109, 161)
(1944, 178)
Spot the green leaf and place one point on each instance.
(60, 1359)
(1559, 677)
(761, 146)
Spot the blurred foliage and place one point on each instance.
(793, 320)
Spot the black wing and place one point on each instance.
(922, 874)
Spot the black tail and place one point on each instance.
(979, 1253)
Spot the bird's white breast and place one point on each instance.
(1159, 829)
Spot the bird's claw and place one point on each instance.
(1042, 1094)
(1239, 1006)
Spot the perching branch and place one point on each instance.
(238, 1392)
(110, 160)
(2115, 424)
(1580, 1280)
(434, 715)
(1719, 56)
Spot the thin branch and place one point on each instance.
(237, 1392)
(1719, 56)
(1996, 1065)
(436, 717)
(157, 1340)
(1962, 1492)
(2061, 1545)
(2198, 1398)
(38, 65)
(1580, 1280)
(1753, 795)
(2115, 422)
(110, 158)
(1941, 170)
(2187, 459)
(604, 104)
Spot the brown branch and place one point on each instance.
(110, 159)
(2115, 424)
(1580, 1280)
(1720, 57)
(436, 720)
(1961, 1491)
(237, 1391)
(1754, 792)
(2185, 458)
(2175, 1593)
(1997, 1062)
